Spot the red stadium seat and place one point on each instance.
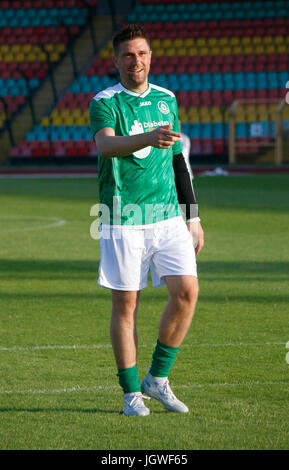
(207, 146)
(196, 147)
(218, 146)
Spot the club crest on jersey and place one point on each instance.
(163, 107)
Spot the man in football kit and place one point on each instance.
(143, 180)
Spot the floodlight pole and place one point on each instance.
(278, 143)
(232, 133)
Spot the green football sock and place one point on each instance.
(163, 359)
(129, 379)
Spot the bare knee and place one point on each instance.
(186, 296)
(124, 305)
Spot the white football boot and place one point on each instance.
(134, 405)
(161, 391)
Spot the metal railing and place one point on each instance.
(276, 143)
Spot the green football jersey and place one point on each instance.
(138, 189)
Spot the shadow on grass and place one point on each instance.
(58, 410)
(68, 410)
(48, 269)
(86, 269)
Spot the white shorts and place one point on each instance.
(129, 252)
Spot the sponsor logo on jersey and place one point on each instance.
(163, 107)
(150, 125)
(137, 128)
(145, 103)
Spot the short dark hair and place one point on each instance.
(131, 31)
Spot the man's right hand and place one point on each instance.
(163, 137)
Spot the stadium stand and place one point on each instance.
(209, 53)
(34, 37)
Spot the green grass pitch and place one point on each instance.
(59, 388)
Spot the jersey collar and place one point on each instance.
(134, 93)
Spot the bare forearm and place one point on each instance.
(111, 145)
(121, 146)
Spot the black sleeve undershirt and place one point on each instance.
(184, 186)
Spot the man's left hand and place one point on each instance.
(197, 233)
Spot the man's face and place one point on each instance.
(133, 62)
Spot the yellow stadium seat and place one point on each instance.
(285, 113)
(167, 43)
(69, 121)
(256, 40)
(189, 42)
(155, 43)
(203, 51)
(55, 113)
(26, 48)
(20, 57)
(171, 52)
(240, 117)
(226, 50)
(104, 54)
(216, 50)
(267, 40)
(181, 51)
(76, 113)
(65, 112)
(41, 57)
(270, 49)
(31, 57)
(192, 51)
(15, 48)
(215, 110)
(80, 121)
(58, 121)
(159, 52)
(212, 41)
(235, 41)
(183, 114)
(282, 49)
(178, 42)
(237, 50)
(45, 121)
(223, 41)
(61, 48)
(4, 48)
(8, 57)
(217, 118)
(201, 42)
(49, 47)
(278, 40)
(260, 49)
(245, 40)
(192, 111)
(54, 56)
(249, 50)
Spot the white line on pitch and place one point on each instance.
(53, 222)
(103, 346)
(116, 387)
